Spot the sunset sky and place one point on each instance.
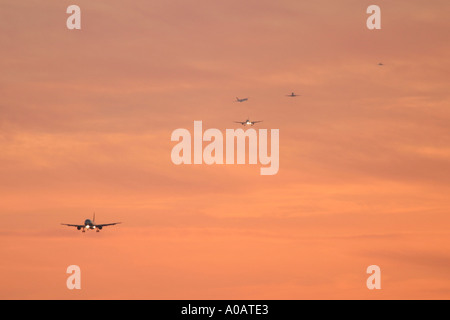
(86, 118)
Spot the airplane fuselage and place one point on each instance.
(89, 225)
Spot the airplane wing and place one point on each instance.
(239, 122)
(107, 224)
(73, 225)
(257, 121)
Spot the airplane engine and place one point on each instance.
(78, 228)
(100, 228)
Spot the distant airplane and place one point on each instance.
(247, 122)
(292, 95)
(380, 64)
(241, 100)
(88, 224)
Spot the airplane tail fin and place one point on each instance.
(93, 218)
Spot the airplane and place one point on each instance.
(380, 64)
(247, 122)
(88, 224)
(292, 95)
(241, 100)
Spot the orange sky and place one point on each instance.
(85, 124)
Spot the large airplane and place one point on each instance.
(292, 95)
(247, 122)
(241, 100)
(88, 225)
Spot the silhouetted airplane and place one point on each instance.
(88, 224)
(292, 95)
(247, 122)
(241, 100)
